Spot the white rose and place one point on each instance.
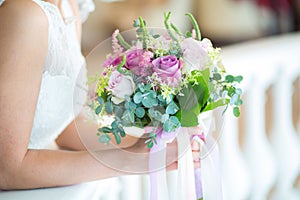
(195, 53)
(120, 86)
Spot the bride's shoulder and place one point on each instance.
(22, 24)
(22, 13)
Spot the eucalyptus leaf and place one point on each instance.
(140, 112)
(109, 107)
(117, 137)
(149, 102)
(234, 99)
(217, 76)
(171, 124)
(98, 109)
(138, 97)
(164, 118)
(236, 111)
(128, 116)
(100, 100)
(229, 78)
(104, 138)
(172, 108)
(150, 144)
(238, 79)
(105, 130)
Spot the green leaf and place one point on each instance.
(149, 102)
(188, 34)
(128, 116)
(155, 114)
(138, 97)
(150, 144)
(239, 102)
(172, 108)
(229, 78)
(140, 112)
(114, 125)
(234, 99)
(104, 138)
(122, 132)
(164, 118)
(98, 109)
(105, 129)
(213, 105)
(109, 107)
(236, 111)
(171, 124)
(188, 118)
(127, 98)
(238, 79)
(231, 91)
(217, 76)
(117, 137)
(100, 100)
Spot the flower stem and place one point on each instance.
(195, 25)
(123, 42)
(145, 34)
(167, 17)
(176, 29)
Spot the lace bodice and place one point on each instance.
(64, 72)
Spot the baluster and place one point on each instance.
(257, 147)
(284, 138)
(235, 177)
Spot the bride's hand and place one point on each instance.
(171, 153)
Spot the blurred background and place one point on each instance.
(260, 151)
(223, 21)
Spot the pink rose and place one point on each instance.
(168, 69)
(138, 62)
(134, 58)
(120, 86)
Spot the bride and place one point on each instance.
(40, 59)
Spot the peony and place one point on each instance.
(195, 53)
(120, 86)
(168, 69)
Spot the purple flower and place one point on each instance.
(112, 61)
(168, 69)
(139, 61)
(134, 58)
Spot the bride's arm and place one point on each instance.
(70, 138)
(23, 47)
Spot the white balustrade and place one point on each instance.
(285, 140)
(235, 175)
(258, 150)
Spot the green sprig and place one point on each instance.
(195, 25)
(123, 42)
(145, 34)
(167, 25)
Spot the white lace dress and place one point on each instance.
(64, 72)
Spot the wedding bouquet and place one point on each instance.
(162, 81)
